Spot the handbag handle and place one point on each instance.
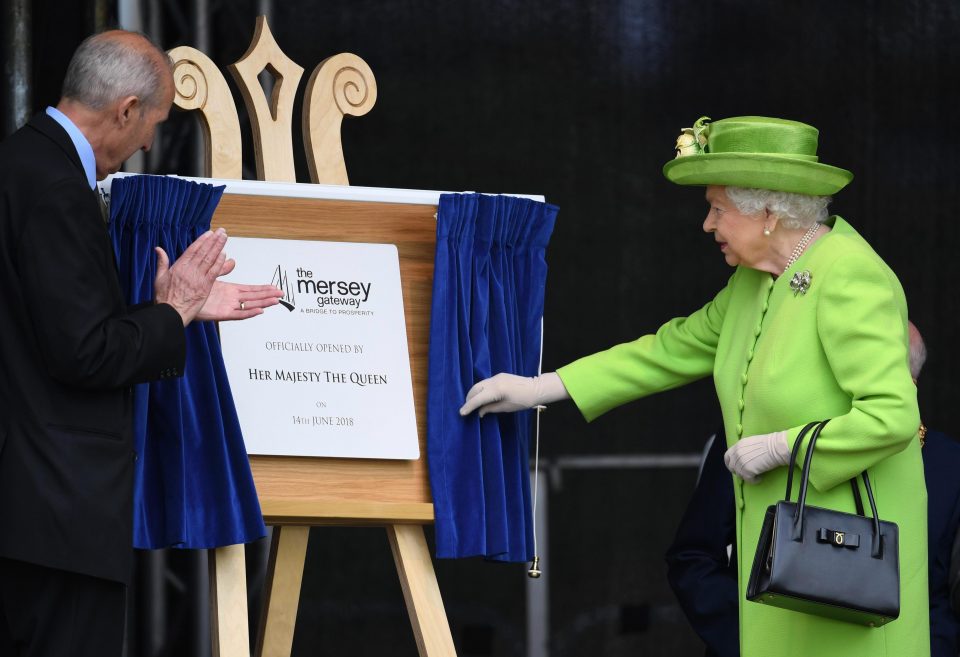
(876, 548)
(793, 457)
(793, 462)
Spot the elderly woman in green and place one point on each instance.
(811, 325)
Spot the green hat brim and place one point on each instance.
(759, 171)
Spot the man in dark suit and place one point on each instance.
(941, 462)
(701, 566)
(70, 350)
(705, 580)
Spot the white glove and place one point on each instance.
(509, 392)
(754, 455)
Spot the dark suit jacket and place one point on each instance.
(698, 569)
(941, 467)
(706, 585)
(69, 352)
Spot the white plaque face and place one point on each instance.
(326, 372)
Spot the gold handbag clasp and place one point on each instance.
(838, 538)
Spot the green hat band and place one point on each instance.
(787, 138)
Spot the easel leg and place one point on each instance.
(420, 590)
(228, 601)
(281, 591)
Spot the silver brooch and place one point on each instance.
(800, 282)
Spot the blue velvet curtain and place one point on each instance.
(488, 287)
(193, 487)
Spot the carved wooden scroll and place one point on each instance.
(200, 86)
(342, 84)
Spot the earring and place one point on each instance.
(766, 231)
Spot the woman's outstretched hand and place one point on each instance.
(754, 455)
(506, 393)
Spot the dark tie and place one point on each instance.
(104, 211)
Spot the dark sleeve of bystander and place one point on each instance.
(700, 567)
(955, 575)
(941, 459)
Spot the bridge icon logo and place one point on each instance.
(281, 281)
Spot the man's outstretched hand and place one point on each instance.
(192, 288)
(230, 301)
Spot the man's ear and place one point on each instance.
(128, 108)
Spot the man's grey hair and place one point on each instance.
(918, 353)
(105, 69)
(793, 210)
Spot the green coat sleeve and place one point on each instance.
(681, 351)
(861, 321)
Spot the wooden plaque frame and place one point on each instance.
(296, 493)
(315, 491)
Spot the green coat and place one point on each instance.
(780, 360)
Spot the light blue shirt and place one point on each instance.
(84, 149)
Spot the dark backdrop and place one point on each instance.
(582, 102)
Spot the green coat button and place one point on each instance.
(739, 429)
(740, 403)
(743, 378)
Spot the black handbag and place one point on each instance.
(828, 563)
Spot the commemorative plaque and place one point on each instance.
(326, 372)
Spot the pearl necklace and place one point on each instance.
(801, 245)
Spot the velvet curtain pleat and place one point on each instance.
(193, 487)
(489, 279)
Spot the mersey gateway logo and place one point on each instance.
(332, 294)
(281, 280)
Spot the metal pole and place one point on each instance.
(130, 15)
(202, 42)
(265, 9)
(101, 13)
(153, 27)
(538, 590)
(153, 632)
(198, 591)
(18, 89)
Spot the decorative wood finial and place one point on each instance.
(342, 84)
(200, 86)
(272, 124)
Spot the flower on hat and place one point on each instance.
(693, 140)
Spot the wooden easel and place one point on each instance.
(296, 493)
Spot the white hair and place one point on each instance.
(918, 354)
(104, 69)
(793, 210)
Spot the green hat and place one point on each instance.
(754, 151)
